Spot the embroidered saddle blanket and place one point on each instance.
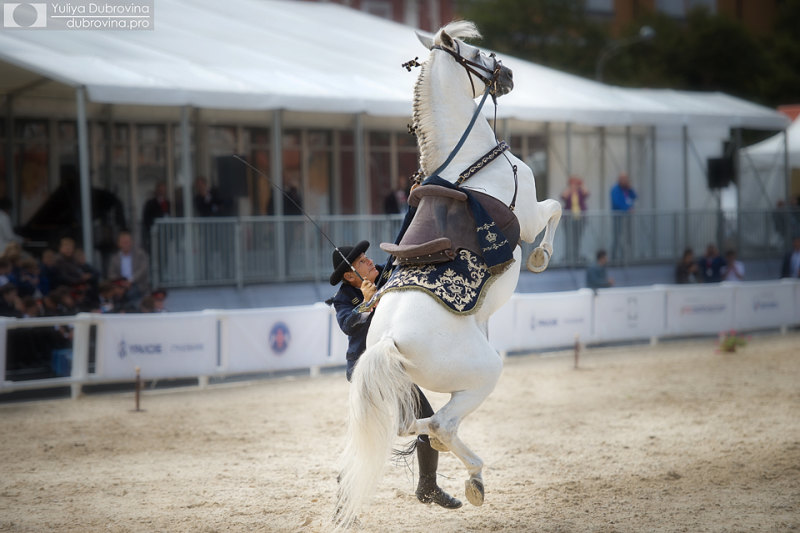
(460, 284)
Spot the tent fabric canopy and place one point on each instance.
(300, 56)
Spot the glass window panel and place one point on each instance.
(347, 169)
(380, 185)
(31, 158)
(379, 139)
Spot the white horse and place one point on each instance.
(414, 339)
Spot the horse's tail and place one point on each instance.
(382, 402)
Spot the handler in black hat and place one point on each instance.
(355, 325)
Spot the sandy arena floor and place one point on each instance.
(668, 438)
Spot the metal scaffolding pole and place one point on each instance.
(83, 169)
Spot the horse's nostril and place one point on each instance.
(511, 74)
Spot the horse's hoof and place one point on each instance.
(538, 260)
(473, 488)
(437, 445)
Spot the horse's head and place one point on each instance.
(485, 67)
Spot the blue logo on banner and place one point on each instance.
(122, 349)
(279, 337)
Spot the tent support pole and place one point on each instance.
(83, 166)
(186, 173)
(628, 156)
(737, 177)
(602, 195)
(685, 146)
(11, 174)
(787, 175)
(276, 171)
(568, 132)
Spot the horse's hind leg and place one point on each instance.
(443, 426)
(549, 211)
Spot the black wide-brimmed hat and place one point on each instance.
(351, 253)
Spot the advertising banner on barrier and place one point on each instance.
(762, 305)
(699, 309)
(552, 319)
(629, 313)
(284, 338)
(796, 301)
(165, 345)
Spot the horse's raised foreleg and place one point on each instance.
(549, 211)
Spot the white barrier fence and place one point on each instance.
(223, 343)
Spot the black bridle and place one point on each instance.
(474, 68)
(490, 81)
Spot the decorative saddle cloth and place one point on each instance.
(459, 284)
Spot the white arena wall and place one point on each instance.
(216, 343)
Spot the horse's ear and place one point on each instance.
(446, 39)
(426, 41)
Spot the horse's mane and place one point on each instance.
(422, 117)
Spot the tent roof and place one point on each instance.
(318, 57)
(768, 148)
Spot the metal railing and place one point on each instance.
(249, 250)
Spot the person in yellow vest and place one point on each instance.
(574, 201)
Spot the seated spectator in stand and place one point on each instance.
(130, 263)
(686, 271)
(733, 269)
(67, 269)
(159, 300)
(710, 265)
(790, 267)
(7, 234)
(88, 299)
(123, 304)
(47, 272)
(58, 302)
(105, 298)
(597, 275)
(28, 281)
(9, 301)
(30, 307)
(5, 271)
(15, 254)
(147, 305)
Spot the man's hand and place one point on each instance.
(368, 289)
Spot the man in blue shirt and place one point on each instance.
(622, 199)
(355, 288)
(597, 275)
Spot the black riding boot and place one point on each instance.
(427, 489)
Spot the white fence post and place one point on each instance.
(80, 353)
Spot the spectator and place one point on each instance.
(733, 270)
(710, 265)
(27, 281)
(105, 298)
(30, 307)
(574, 201)
(156, 207)
(790, 268)
(207, 201)
(58, 302)
(47, 271)
(67, 269)
(147, 305)
(597, 275)
(5, 271)
(159, 300)
(130, 263)
(7, 234)
(9, 301)
(686, 271)
(623, 198)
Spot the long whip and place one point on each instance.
(257, 170)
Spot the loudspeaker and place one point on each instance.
(720, 172)
(232, 177)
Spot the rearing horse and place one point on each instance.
(414, 339)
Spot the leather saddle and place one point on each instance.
(444, 224)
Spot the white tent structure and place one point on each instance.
(763, 169)
(322, 58)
